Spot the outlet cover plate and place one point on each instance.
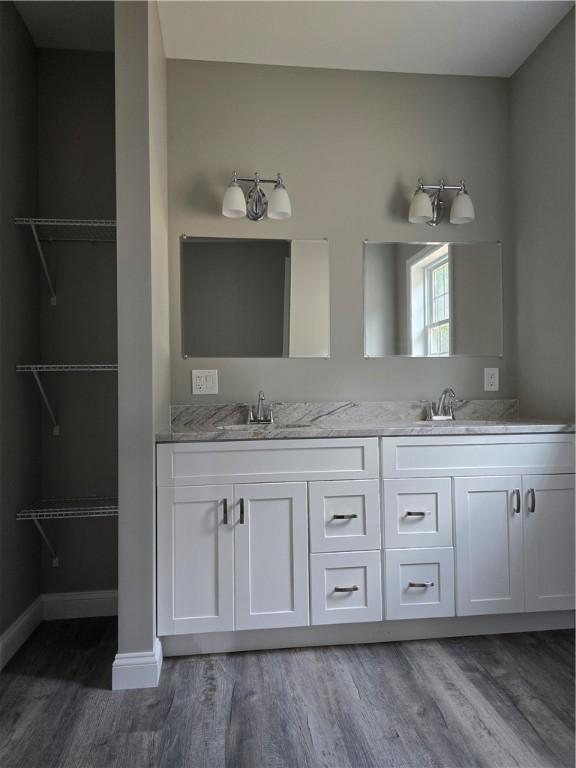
(205, 382)
(491, 379)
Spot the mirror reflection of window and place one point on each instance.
(429, 285)
(432, 299)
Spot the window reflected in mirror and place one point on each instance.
(432, 299)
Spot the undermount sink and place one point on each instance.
(256, 426)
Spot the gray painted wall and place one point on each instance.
(351, 146)
(76, 179)
(542, 137)
(19, 319)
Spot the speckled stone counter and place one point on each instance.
(220, 422)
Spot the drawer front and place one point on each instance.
(419, 583)
(345, 587)
(267, 461)
(418, 513)
(463, 456)
(344, 515)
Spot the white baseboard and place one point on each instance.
(55, 605)
(20, 630)
(137, 670)
(79, 605)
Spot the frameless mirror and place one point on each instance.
(255, 297)
(432, 299)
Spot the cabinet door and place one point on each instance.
(271, 555)
(549, 542)
(195, 559)
(489, 546)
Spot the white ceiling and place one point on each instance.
(454, 37)
(73, 25)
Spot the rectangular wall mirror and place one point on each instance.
(255, 298)
(432, 299)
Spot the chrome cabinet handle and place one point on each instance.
(421, 584)
(414, 514)
(531, 500)
(225, 515)
(347, 589)
(344, 517)
(241, 511)
(516, 501)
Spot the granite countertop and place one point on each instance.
(324, 420)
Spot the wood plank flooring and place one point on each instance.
(493, 702)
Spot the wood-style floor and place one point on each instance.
(497, 701)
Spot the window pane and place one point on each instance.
(439, 339)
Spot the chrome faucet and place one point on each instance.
(443, 410)
(263, 415)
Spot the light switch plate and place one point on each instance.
(205, 382)
(491, 379)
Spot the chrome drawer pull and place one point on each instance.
(414, 514)
(347, 589)
(531, 500)
(344, 517)
(516, 501)
(421, 584)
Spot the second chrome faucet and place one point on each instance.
(263, 413)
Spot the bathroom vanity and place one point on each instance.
(271, 529)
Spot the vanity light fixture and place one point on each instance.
(256, 205)
(427, 206)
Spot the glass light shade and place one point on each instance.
(420, 208)
(279, 206)
(462, 210)
(234, 203)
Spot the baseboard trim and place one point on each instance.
(55, 605)
(79, 605)
(378, 632)
(137, 670)
(20, 630)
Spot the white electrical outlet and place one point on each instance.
(205, 382)
(491, 379)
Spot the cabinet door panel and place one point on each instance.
(271, 549)
(195, 560)
(489, 545)
(549, 542)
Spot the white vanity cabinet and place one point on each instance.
(513, 512)
(233, 532)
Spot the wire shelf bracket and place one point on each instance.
(67, 230)
(35, 370)
(62, 509)
(53, 298)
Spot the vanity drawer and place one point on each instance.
(344, 515)
(267, 461)
(345, 587)
(418, 512)
(419, 583)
